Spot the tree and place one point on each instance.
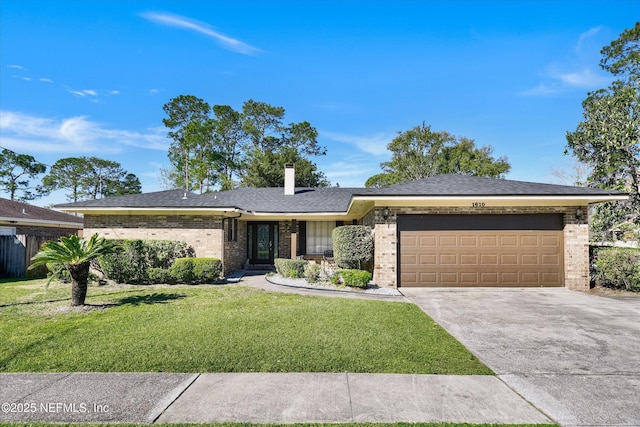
(263, 124)
(75, 254)
(191, 151)
(608, 137)
(90, 178)
(267, 169)
(272, 145)
(229, 141)
(68, 174)
(15, 172)
(420, 153)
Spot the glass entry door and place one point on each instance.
(263, 242)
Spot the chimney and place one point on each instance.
(289, 179)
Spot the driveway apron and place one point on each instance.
(574, 356)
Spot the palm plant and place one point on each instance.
(75, 254)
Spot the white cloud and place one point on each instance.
(584, 78)
(76, 92)
(28, 133)
(90, 92)
(540, 90)
(185, 23)
(585, 36)
(17, 67)
(154, 91)
(115, 92)
(373, 144)
(45, 80)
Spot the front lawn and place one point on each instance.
(218, 329)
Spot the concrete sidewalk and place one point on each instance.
(260, 398)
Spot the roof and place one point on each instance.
(337, 199)
(22, 213)
(465, 185)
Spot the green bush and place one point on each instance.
(182, 270)
(159, 275)
(356, 278)
(312, 272)
(290, 268)
(207, 270)
(352, 246)
(137, 256)
(617, 268)
(196, 270)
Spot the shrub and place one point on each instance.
(159, 275)
(356, 278)
(137, 256)
(352, 246)
(290, 268)
(617, 268)
(128, 265)
(182, 270)
(207, 270)
(312, 272)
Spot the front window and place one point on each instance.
(319, 236)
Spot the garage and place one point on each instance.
(508, 250)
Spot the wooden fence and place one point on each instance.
(16, 253)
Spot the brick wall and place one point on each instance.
(203, 233)
(235, 252)
(284, 239)
(576, 239)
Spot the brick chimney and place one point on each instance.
(289, 179)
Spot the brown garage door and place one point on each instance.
(481, 257)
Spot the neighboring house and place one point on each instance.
(450, 230)
(23, 228)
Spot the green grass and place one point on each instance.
(218, 329)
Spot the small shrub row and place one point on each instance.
(187, 270)
(617, 268)
(290, 268)
(137, 257)
(356, 278)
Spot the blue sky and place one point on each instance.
(91, 77)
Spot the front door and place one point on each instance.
(263, 242)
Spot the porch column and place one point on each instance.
(294, 239)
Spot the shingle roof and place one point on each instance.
(465, 185)
(336, 199)
(12, 210)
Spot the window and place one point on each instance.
(233, 229)
(7, 231)
(319, 236)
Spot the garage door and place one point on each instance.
(480, 250)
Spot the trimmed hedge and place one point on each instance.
(290, 268)
(207, 270)
(196, 270)
(137, 256)
(159, 275)
(352, 246)
(617, 268)
(356, 278)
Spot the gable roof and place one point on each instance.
(339, 200)
(18, 213)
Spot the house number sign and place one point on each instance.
(478, 205)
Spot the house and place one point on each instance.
(23, 229)
(449, 230)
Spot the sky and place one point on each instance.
(89, 78)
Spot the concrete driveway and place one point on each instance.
(574, 356)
